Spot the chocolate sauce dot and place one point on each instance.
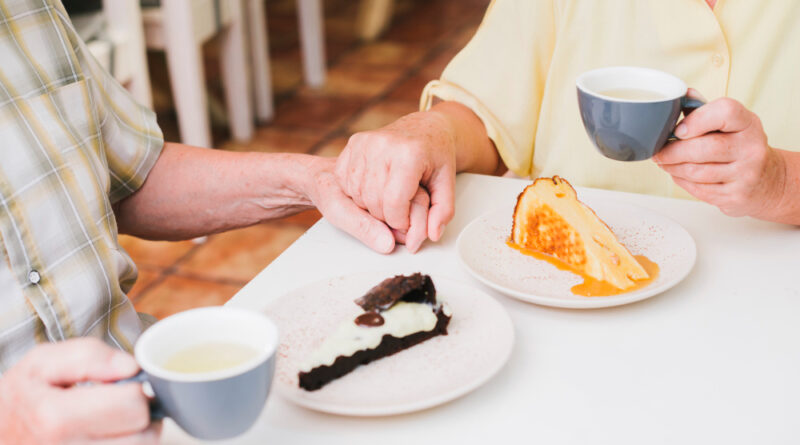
(369, 319)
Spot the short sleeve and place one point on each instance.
(501, 76)
(131, 138)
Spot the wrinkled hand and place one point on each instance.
(382, 171)
(327, 195)
(40, 404)
(722, 158)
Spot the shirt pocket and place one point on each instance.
(59, 135)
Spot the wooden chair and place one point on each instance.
(180, 27)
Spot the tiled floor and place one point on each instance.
(368, 86)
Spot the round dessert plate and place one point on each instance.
(479, 342)
(482, 249)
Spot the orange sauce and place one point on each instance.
(590, 286)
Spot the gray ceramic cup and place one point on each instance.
(628, 129)
(212, 405)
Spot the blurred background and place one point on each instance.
(295, 76)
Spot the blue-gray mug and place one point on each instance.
(630, 112)
(217, 404)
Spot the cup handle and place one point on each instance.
(687, 106)
(156, 410)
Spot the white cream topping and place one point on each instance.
(400, 320)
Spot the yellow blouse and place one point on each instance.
(518, 74)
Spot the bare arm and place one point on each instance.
(786, 206)
(195, 191)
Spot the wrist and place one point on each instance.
(286, 188)
(782, 203)
(473, 150)
(303, 176)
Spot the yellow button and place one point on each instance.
(717, 59)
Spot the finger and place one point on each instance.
(399, 236)
(373, 189)
(401, 188)
(341, 168)
(79, 360)
(150, 436)
(342, 212)
(709, 193)
(351, 171)
(418, 217)
(96, 411)
(713, 147)
(724, 114)
(694, 94)
(442, 192)
(708, 173)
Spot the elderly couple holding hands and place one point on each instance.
(81, 162)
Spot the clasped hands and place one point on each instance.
(396, 184)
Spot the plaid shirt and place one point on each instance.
(72, 143)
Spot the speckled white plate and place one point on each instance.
(479, 342)
(482, 249)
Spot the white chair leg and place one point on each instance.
(312, 39)
(235, 76)
(185, 64)
(126, 16)
(259, 57)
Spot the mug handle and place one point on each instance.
(687, 106)
(156, 410)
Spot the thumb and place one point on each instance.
(442, 191)
(80, 360)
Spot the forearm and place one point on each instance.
(195, 191)
(475, 152)
(786, 206)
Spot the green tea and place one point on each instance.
(209, 357)
(633, 94)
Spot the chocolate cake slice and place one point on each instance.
(398, 313)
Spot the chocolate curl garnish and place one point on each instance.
(416, 288)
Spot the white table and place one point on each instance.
(714, 360)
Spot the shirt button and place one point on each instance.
(717, 60)
(34, 277)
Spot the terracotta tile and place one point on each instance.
(146, 278)
(463, 37)
(411, 88)
(426, 25)
(403, 7)
(283, 30)
(343, 80)
(382, 113)
(176, 294)
(434, 67)
(334, 50)
(239, 255)
(392, 54)
(272, 139)
(282, 8)
(303, 219)
(287, 73)
(324, 113)
(332, 148)
(339, 27)
(159, 254)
